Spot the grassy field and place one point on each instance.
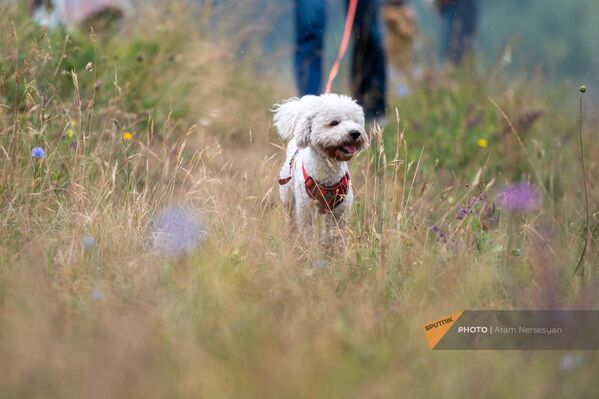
(165, 113)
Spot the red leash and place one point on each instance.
(349, 21)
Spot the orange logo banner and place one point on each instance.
(435, 330)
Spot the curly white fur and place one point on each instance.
(324, 132)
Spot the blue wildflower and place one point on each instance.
(97, 294)
(320, 264)
(88, 241)
(402, 90)
(176, 231)
(38, 152)
(571, 361)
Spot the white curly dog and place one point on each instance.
(324, 132)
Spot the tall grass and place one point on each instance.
(248, 314)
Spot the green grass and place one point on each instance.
(248, 314)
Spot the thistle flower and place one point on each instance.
(176, 231)
(520, 197)
(38, 153)
(127, 136)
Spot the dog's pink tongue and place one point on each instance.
(349, 148)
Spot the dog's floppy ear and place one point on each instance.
(293, 119)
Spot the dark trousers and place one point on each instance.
(367, 59)
(458, 26)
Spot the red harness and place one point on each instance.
(327, 197)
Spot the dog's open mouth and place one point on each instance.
(348, 149)
(344, 152)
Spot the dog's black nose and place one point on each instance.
(354, 134)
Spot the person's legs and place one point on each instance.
(368, 60)
(447, 37)
(458, 26)
(309, 33)
(469, 17)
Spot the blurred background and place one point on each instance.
(552, 38)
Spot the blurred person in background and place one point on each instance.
(458, 27)
(98, 13)
(368, 81)
(401, 30)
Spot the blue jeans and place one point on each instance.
(368, 56)
(458, 26)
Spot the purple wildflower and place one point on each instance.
(38, 152)
(176, 231)
(438, 233)
(462, 212)
(520, 197)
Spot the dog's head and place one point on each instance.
(332, 124)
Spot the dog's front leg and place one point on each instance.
(304, 219)
(333, 232)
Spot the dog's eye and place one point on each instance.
(333, 123)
